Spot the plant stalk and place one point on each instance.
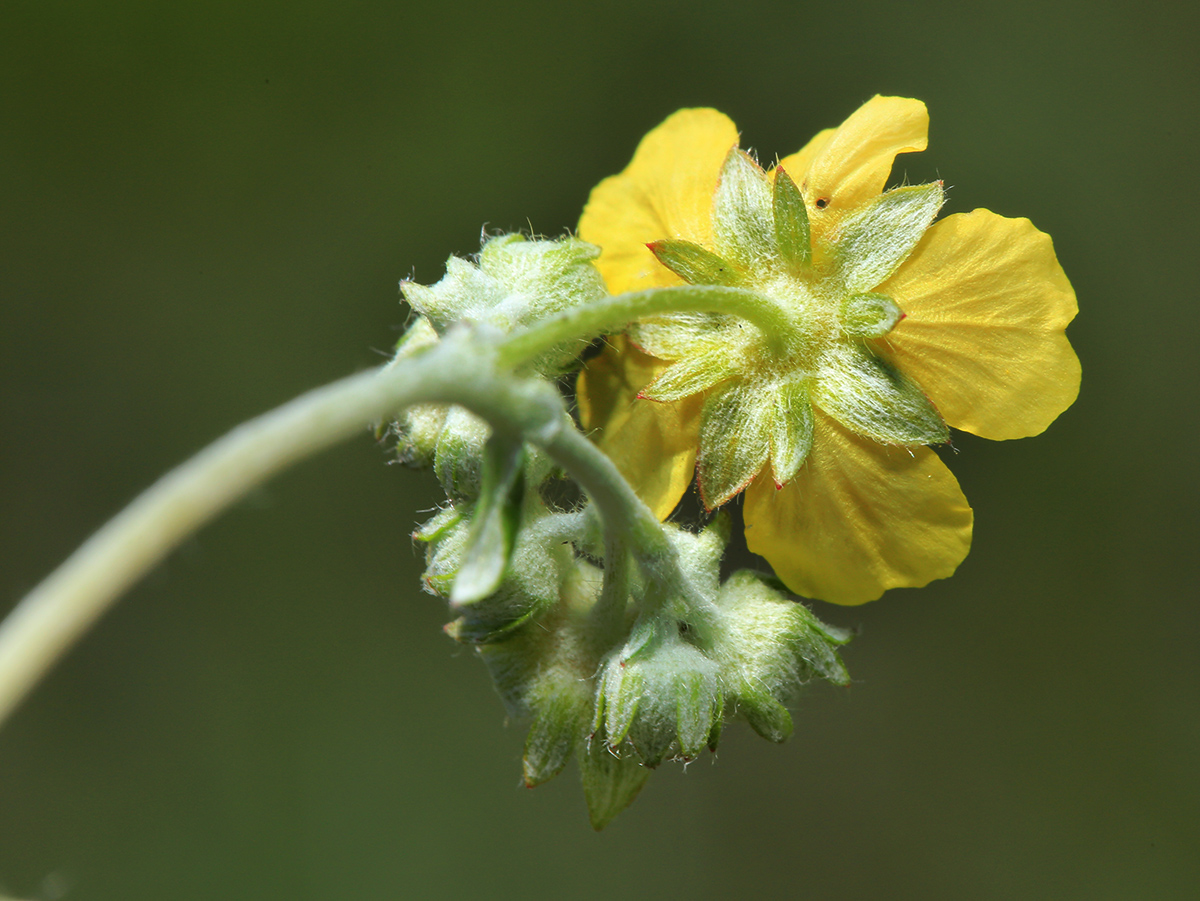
(59, 610)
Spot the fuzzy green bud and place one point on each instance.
(458, 454)
(513, 282)
(663, 695)
(770, 646)
(538, 565)
(656, 689)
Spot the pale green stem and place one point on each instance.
(613, 313)
(607, 617)
(59, 610)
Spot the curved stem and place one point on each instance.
(59, 610)
(608, 614)
(615, 312)
(54, 615)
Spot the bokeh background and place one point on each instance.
(204, 210)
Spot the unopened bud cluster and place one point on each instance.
(621, 667)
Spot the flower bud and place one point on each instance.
(449, 438)
(544, 671)
(514, 283)
(541, 564)
(770, 646)
(663, 694)
(458, 455)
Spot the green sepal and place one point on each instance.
(438, 525)
(792, 435)
(495, 625)
(695, 265)
(495, 522)
(736, 427)
(692, 374)
(621, 684)
(869, 395)
(869, 315)
(645, 636)
(457, 455)
(699, 705)
(559, 720)
(652, 739)
(425, 298)
(743, 220)
(875, 240)
(418, 337)
(621, 694)
(610, 782)
(682, 335)
(791, 223)
(766, 716)
(714, 734)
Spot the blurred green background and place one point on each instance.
(204, 210)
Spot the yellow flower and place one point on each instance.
(901, 327)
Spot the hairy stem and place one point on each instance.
(59, 610)
(613, 313)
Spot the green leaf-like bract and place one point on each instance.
(736, 428)
(743, 221)
(875, 240)
(495, 523)
(695, 265)
(870, 396)
(791, 223)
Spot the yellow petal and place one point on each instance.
(665, 192)
(842, 168)
(653, 444)
(797, 164)
(853, 166)
(986, 303)
(859, 518)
